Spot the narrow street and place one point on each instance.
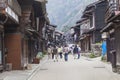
(82, 69)
(32, 31)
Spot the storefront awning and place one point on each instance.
(89, 31)
(77, 26)
(81, 20)
(108, 27)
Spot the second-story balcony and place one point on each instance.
(112, 11)
(10, 8)
(84, 31)
(85, 27)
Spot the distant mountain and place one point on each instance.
(66, 12)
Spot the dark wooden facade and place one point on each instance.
(50, 34)
(2, 61)
(7, 16)
(92, 21)
(112, 29)
(58, 38)
(76, 33)
(22, 31)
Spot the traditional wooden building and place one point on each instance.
(84, 35)
(41, 22)
(2, 61)
(76, 33)
(9, 12)
(112, 33)
(50, 34)
(58, 38)
(92, 21)
(23, 23)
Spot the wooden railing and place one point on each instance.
(110, 12)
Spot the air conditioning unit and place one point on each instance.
(8, 66)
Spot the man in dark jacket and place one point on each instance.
(75, 51)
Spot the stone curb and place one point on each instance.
(32, 72)
(37, 69)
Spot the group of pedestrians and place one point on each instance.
(55, 52)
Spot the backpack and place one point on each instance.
(75, 50)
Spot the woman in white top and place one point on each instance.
(65, 51)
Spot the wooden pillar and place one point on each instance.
(108, 50)
(113, 49)
(24, 24)
(113, 54)
(42, 43)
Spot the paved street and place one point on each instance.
(22, 74)
(82, 69)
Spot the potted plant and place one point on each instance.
(36, 60)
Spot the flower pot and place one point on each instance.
(36, 61)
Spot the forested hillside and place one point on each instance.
(66, 12)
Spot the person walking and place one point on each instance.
(65, 51)
(52, 47)
(60, 51)
(75, 52)
(104, 49)
(49, 52)
(79, 50)
(55, 54)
